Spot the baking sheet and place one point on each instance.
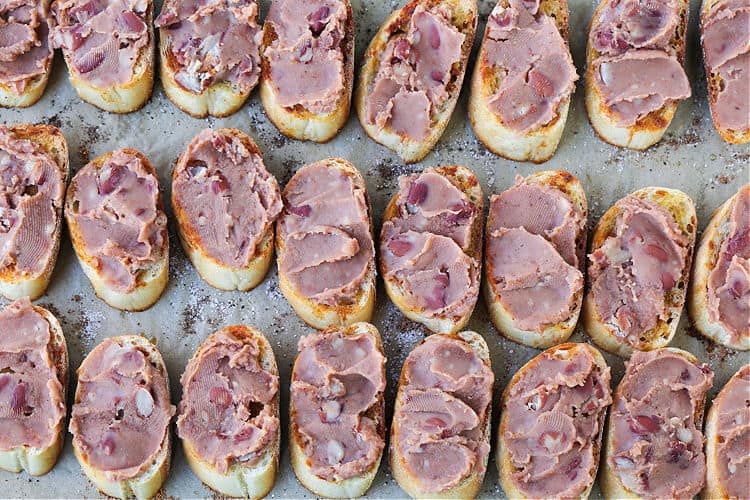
(691, 157)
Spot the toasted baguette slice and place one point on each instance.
(39, 461)
(150, 287)
(469, 487)
(241, 480)
(682, 209)
(297, 122)
(34, 90)
(705, 261)
(648, 130)
(348, 488)
(537, 146)
(14, 285)
(502, 456)
(465, 20)
(149, 482)
(321, 316)
(465, 180)
(499, 315)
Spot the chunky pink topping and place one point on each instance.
(102, 39)
(120, 224)
(226, 413)
(411, 85)
(732, 450)
(32, 406)
(554, 417)
(634, 273)
(657, 445)
(307, 56)
(212, 42)
(32, 188)
(443, 402)
(25, 52)
(627, 24)
(229, 199)
(123, 411)
(337, 386)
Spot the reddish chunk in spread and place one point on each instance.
(337, 387)
(25, 52)
(229, 408)
(657, 445)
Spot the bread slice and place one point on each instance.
(321, 316)
(648, 130)
(149, 482)
(348, 488)
(465, 20)
(469, 487)
(130, 96)
(682, 209)
(536, 146)
(608, 482)
(705, 261)
(297, 122)
(212, 271)
(150, 286)
(502, 456)
(241, 480)
(499, 315)
(39, 461)
(13, 284)
(465, 180)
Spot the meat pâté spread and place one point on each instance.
(25, 51)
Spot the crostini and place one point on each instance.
(639, 268)
(431, 247)
(719, 295)
(634, 75)
(654, 445)
(225, 203)
(33, 383)
(34, 170)
(412, 73)
(209, 54)
(448, 375)
(308, 67)
(534, 252)
(26, 53)
(523, 79)
(118, 229)
(109, 49)
(229, 414)
(337, 410)
(120, 418)
(326, 256)
(551, 424)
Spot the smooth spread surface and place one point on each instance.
(25, 51)
(732, 450)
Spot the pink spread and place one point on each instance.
(307, 52)
(123, 410)
(32, 388)
(532, 59)
(228, 198)
(32, 188)
(729, 281)
(732, 450)
(25, 51)
(415, 70)
(327, 236)
(227, 413)
(442, 407)
(117, 210)
(637, 69)
(635, 271)
(554, 414)
(212, 42)
(424, 247)
(102, 39)
(657, 445)
(337, 393)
